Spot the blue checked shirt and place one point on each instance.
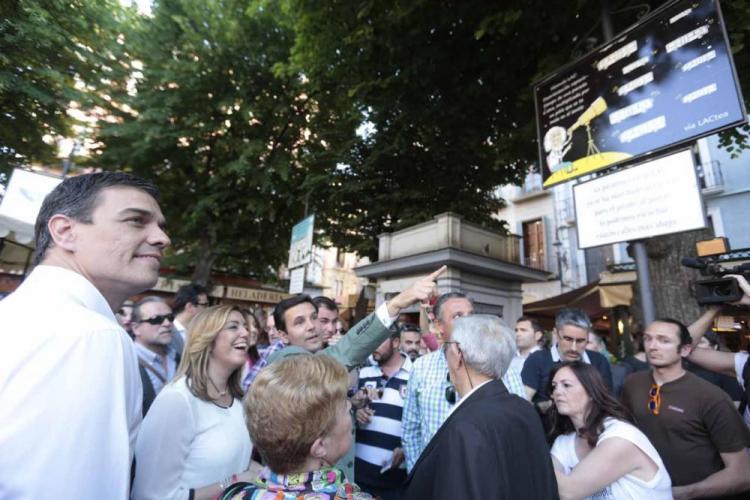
(426, 408)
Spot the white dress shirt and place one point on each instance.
(70, 391)
(180, 329)
(186, 443)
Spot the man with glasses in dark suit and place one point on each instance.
(492, 445)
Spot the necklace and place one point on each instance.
(221, 393)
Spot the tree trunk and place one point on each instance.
(203, 265)
(673, 291)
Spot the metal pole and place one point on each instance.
(639, 247)
(644, 282)
(609, 33)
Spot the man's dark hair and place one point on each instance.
(322, 301)
(683, 332)
(602, 405)
(77, 197)
(535, 324)
(137, 317)
(438, 307)
(284, 305)
(410, 327)
(187, 294)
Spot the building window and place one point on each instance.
(533, 244)
(339, 288)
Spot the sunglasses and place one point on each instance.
(158, 320)
(654, 399)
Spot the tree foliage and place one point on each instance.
(49, 51)
(376, 115)
(219, 130)
(446, 89)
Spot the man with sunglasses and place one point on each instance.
(692, 423)
(157, 359)
(491, 445)
(572, 327)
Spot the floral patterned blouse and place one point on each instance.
(324, 484)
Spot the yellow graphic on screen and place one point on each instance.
(557, 144)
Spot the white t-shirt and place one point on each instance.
(628, 486)
(187, 443)
(70, 391)
(740, 359)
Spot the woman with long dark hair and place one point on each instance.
(597, 452)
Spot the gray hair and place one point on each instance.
(136, 316)
(437, 308)
(573, 317)
(487, 343)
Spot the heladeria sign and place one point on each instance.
(668, 80)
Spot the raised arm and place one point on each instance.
(364, 337)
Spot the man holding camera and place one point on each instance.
(728, 363)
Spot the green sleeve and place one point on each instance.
(359, 342)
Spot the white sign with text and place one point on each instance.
(658, 197)
(297, 280)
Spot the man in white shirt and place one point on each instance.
(157, 360)
(188, 301)
(529, 338)
(70, 394)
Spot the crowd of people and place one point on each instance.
(105, 395)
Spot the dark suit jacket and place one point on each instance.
(149, 394)
(491, 447)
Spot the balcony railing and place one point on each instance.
(710, 176)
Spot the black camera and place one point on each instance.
(716, 288)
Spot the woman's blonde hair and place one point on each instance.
(292, 403)
(201, 333)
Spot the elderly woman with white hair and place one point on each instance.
(492, 445)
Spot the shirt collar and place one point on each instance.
(556, 355)
(466, 396)
(532, 350)
(179, 326)
(406, 366)
(147, 354)
(64, 282)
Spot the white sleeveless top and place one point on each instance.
(628, 486)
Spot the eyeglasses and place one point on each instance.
(654, 399)
(202, 304)
(572, 340)
(158, 320)
(446, 344)
(450, 390)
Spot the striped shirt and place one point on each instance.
(426, 407)
(376, 440)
